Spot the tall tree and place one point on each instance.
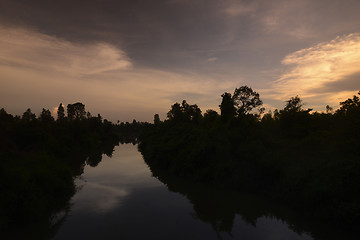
(45, 116)
(294, 105)
(246, 100)
(157, 119)
(227, 106)
(76, 111)
(60, 112)
(28, 115)
(350, 106)
(4, 116)
(184, 112)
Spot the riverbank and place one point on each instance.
(309, 161)
(40, 158)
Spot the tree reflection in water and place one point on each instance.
(219, 207)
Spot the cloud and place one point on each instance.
(24, 48)
(295, 19)
(239, 8)
(40, 71)
(212, 59)
(319, 70)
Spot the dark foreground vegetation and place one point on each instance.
(39, 159)
(308, 160)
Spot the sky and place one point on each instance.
(130, 59)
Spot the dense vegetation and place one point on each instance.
(40, 157)
(308, 160)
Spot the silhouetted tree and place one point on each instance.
(45, 116)
(184, 112)
(210, 115)
(329, 109)
(350, 106)
(156, 119)
(245, 100)
(99, 117)
(192, 112)
(60, 112)
(175, 113)
(267, 118)
(76, 111)
(294, 119)
(28, 115)
(4, 116)
(227, 106)
(293, 105)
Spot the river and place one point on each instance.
(120, 199)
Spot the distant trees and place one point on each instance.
(45, 116)
(329, 109)
(76, 111)
(39, 160)
(294, 119)
(210, 115)
(4, 116)
(308, 159)
(245, 100)
(60, 112)
(184, 112)
(350, 106)
(242, 102)
(293, 105)
(156, 119)
(227, 106)
(28, 115)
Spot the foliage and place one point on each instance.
(293, 105)
(156, 119)
(227, 106)
(45, 116)
(39, 158)
(28, 115)
(246, 100)
(76, 111)
(350, 107)
(60, 112)
(307, 160)
(184, 112)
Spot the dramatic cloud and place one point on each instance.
(23, 48)
(35, 67)
(324, 69)
(133, 58)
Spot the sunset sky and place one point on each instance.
(130, 59)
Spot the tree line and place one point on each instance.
(40, 158)
(308, 160)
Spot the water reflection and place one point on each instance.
(120, 199)
(233, 215)
(106, 198)
(244, 216)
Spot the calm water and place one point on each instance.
(119, 199)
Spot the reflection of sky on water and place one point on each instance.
(99, 198)
(104, 187)
(125, 168)
(119, 199)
